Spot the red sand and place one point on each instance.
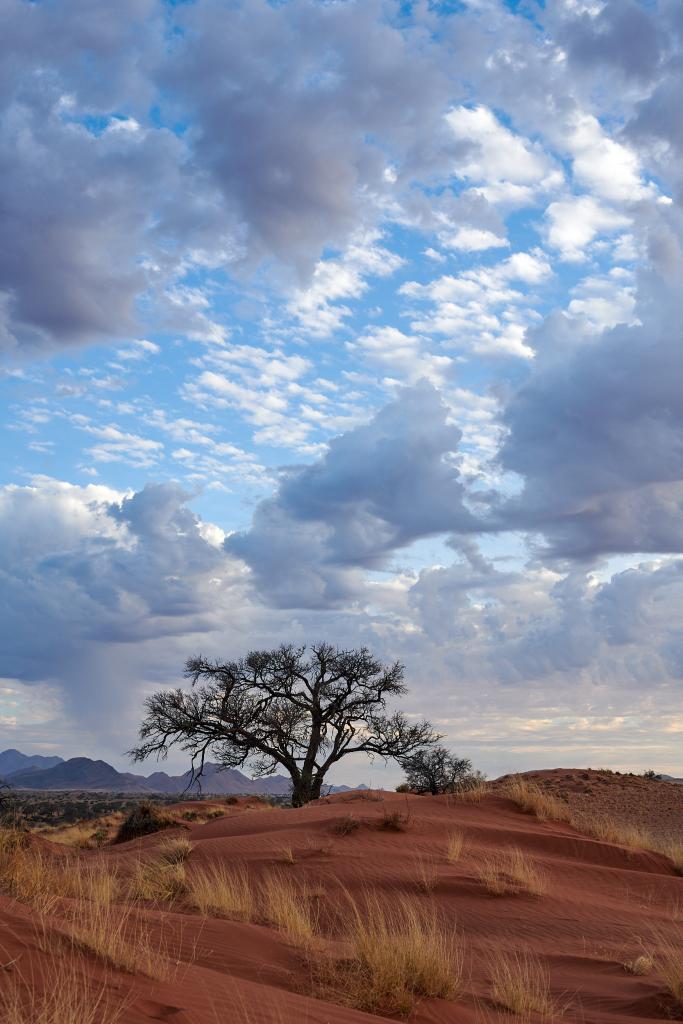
(604, 905)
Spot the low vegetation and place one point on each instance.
(65, 994)
(143, 820)
(290, 907)
(510, 871)
(119, 935)
(158, 881)
(455, 846)
(520, 982)
(670, 964)
(220, 890)
(399, 952)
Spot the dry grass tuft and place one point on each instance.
(158, 881)
(473, 793)
(510, 871)
(119, 936)
(531, 799)
(454, 849)
(65, 995)
(346, 825)
(520, 982)
(426, 874)
(670, 961)
(175, 851)
(394, 821)
(400, 952)
(673, 849)
(288, 856)
(217, 890)
(290, 907)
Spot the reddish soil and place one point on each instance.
(604, 905)
(630, 799)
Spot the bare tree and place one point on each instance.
(435, 770)
(279, 708)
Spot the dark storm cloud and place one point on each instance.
(378, 488)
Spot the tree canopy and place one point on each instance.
(284, 709)
(435, 770)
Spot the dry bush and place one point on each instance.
(530, 798)
(65, 994)
(511, 871)
(520, 982)
(119, 936)
(221, 891)
(394, 821)
(215, 812)
(346, 825)
(640, 965)
(158, 881)
(143, 820)
(399, 952)
(456, 844)
(290, 907)
(175, 851)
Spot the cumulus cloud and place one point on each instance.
(379, 487)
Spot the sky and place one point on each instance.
(345, 320)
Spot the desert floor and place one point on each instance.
(431, 909)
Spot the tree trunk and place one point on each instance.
(305, 790)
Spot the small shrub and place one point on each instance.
(403, 787)
(346, 825)
(143, 820)
(232, 800)
(394, 821)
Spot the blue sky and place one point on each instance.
(358, 322)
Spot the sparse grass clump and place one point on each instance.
(456, 844)
(510, 871)
(673, 849)
(290, 908)
(426, 874)
(346, 825)
(520, 982)
(66, 995)
(394, 821)
(670, 961)
(158, 881)
(399, 953)
(219, 890)
(119, 936)
(143, 820)
(175, 851)
(531, 799)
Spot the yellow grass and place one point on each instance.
(288, 855)
(426, 874)
(175, 851)
(400, 951)
(472, 794)
(65, 995)
(289, 906)
(158, 881)
(510, 871)
(219, 890)
(456, 844)
(670, 963)
(520, 982)
(530, 798)
(673, 849)
(119, 936)
(640, 965)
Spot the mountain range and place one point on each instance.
(35, 772)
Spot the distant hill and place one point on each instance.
(14, 761)
(82, 773)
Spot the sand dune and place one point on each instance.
(575, 913)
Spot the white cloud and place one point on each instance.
(605, 300)
(474, 240)
(609, 169)
(575, 222)
(494, 153)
